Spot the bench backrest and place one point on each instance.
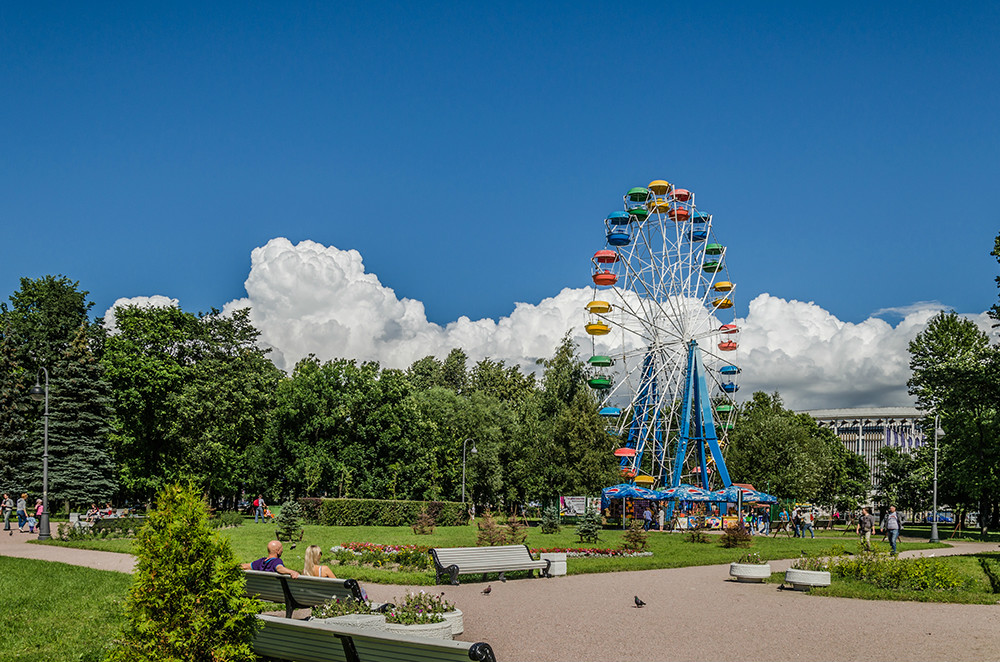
(267, 586)
(476, 556)
(308, 641)
(312, 591)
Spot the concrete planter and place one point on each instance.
(750, 572)
(803, 580)
(375, 622)
(456, 620)
(431, 630)
(558, 565)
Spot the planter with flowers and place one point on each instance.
(750, 568)
(807, 573)
(424, 615)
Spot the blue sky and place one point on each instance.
(849, 151)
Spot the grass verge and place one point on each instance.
(55, 612)
(670, 550)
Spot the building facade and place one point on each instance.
(866, 430)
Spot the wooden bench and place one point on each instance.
(455, 561)
(301, 592)
(780, 525)
(307, 641)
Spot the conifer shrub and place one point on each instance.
(516, 530)
(736, 536)
(550, 520)
(424, 524)
(589, 528)
(635, 538)
(489, 532)
(289, 521)
(187, 601)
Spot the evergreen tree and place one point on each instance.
(187, 602)
(15, 458)
(80, 467)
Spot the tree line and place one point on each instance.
(172, 396)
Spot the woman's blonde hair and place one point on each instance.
(312, 561)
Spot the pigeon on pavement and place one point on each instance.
(638, 602)
(486, 591)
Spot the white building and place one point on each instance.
(865, 430)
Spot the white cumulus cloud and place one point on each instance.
(308, 298)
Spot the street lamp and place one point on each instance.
(474, 451)
(934, 518)
(37, 394)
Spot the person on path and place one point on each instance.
(22, 512)
(893, 525)
(661, 516)
(797, 523)
(864, 528)
(7, 505)
(258, 505)
(808, 518)
(272, 562)
(647, 518)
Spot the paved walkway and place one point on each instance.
(691, 614)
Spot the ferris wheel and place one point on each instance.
(665, 339)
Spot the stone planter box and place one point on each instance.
(750, 572)
(803, 580)
(363, 621)
(558, 566)
(431, 630)
(456, 620)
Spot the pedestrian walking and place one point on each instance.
(864, 528)
(647, 518)
(807, 523)
(258, 505)
(22, 512)
(797, 522)
(893, 526)
(7, 505)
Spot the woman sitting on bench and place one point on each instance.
(312, 567)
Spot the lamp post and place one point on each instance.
(37, 394)
(934, 516)
(474, 451)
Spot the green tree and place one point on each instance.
(187, 600)
(43, 317)
(956, 373)
(900, 481)
(81, 470)
(782, 452)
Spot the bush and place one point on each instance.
(187, 601)
(884, 571)
(589, 528)
(226, 520)
(635, 538)
(550, 520)
(489, 533)
(289, 521)
(378, 512)
(516, 529)
(424, 524)
(696, 535)
(736, 536)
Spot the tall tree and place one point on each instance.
(956, 373)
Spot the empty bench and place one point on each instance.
(301, 592)
(455, 561)
(310, 641)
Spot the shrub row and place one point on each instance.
(376, 512)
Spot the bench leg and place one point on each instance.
(350, 651)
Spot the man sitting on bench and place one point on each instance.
(271, 562)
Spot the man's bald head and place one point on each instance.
(274, 548)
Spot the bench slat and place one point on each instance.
(305, 641)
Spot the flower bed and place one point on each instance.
(592, 552)
(380, 556)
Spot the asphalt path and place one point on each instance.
(690, 614)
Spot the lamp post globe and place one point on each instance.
(39, 393)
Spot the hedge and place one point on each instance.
(377, 512)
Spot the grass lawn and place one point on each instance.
(977, 591)
(54, 611)
(670, 550)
